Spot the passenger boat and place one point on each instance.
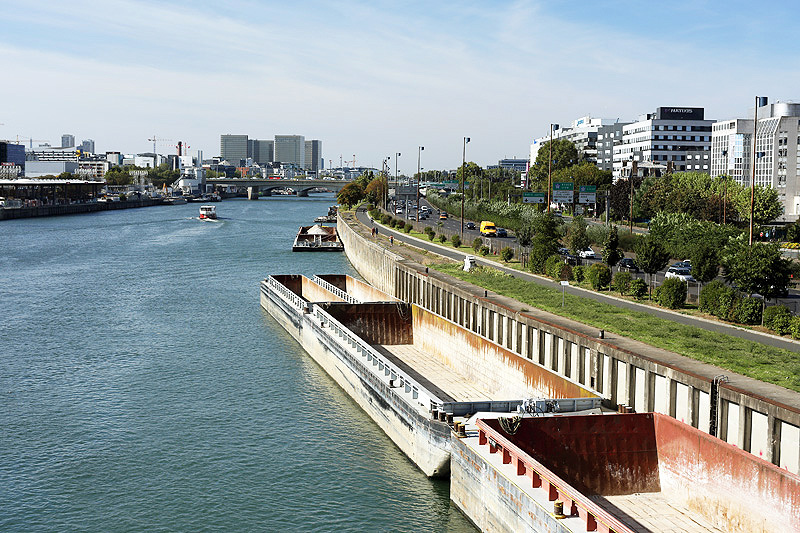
(317, 238)
(208, 212)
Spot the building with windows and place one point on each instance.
(679, 137)
(67, 141)
(87, 145)
(262, 152)
(291, 149)
(582, 132)
(608, 137)
(233, 148)
(777, 152)
(313, 161)
(12, 154)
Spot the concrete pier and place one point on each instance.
(74, 209)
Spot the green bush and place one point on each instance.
(622, 282)
(385, 218)
(672, 293)
(709, 296)
(627, 241)
(727, 300)
(552, 267)
(408, 228)
(749, 311)
(477, 242)
(566, 273)
(484, 251)
(507, 254)
(431, 234)
(428, 230)
(778, 318)
(638, 288)
(579, 273)
(456, 240)
(597, 233)
(599, 276)
(794, 327)
(442, 238)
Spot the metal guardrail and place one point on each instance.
(539, 406)
(335, 290)
(284, 291)
(396, 378)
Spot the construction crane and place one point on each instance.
(154, 140)
(31, 141)
(353, 162)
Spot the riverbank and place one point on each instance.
(74, 209)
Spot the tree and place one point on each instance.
(584, 173)
(376, 190)
(577, 240)
(766, 205)
(650, 256)
(611, 253)
(564, 155)
(545, 240)
(705, 261)
(620, 197)
(351, 194)
(524, 234)
(756, 269)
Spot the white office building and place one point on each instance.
(582, 132)
(676, 137)
(777, 152)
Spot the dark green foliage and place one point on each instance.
(507, 254)
(442, 238)
(579, 273)
(456, 240)
(709, 296)
(793, 232)
(524, 234)
(672, 293)
(566, 273)
(638, 288)
(650, 255)
(477, 242)
(385, 218)
(622, 282)
(794, 327)
(564, 155)
(611, 253)
(627, 241)
(748, 310)
(756, 269)
(431, 235)
(545, 241)
(577, 239)
(408, 227)
(599, 275)
(778, 318)
(681, 234)
(552, 266)
(705, 261)
(351, 194)
(484, 251)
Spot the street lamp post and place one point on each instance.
(419, 176)
(463, 179)
(724, 185)
(396, 160)
(550, 166)
(759, 99)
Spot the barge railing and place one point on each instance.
(288, 294)
(335, 290)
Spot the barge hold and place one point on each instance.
(413, 372)
(626, 473)
(317, 238)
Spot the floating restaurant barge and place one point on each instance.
(317, 238)
(415, 373)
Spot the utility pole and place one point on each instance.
(419, 176)
(634, 171)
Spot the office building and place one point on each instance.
(291, 149)
(608, 137)
(679, 136)
(582, 132)
(313, 160)
(12, 154)
(67, 141)
(777, 152)
(233, 148)
(262, 152)
(87, 146)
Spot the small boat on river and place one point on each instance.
(208, 212)
(317, 238)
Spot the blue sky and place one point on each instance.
(373, 78)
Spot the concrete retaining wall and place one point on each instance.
(760, 418)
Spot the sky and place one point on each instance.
(371, 79)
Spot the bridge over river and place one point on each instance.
(256, 187)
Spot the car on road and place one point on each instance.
(588, 253)
(398, 211)
(683, 274)
(628, 264)
(501, 232)
(682, 264)
(471, 225)
(443, 216)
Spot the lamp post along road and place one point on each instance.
(759, 99)
(550, 167)
(396, 159)
(419, 176)
(724, 185)
(463, 179)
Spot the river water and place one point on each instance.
(143, 388)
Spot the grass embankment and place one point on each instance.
(758, 361)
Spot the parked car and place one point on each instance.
(683, 274)
(588, 253)
(682, 264)
(501, 232)
(398, 211)
(628, 264)
(570, 259)
(563, 251)
(471, 225)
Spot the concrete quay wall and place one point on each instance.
(757, 417)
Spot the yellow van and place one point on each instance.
(488, 228)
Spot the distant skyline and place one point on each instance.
(373, 79)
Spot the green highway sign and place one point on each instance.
(533, 198)
(563, 186)
(588, 188)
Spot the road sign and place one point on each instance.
(533, 198)
(587, 194)
(563, 192)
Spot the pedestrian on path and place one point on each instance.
(391, 240)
